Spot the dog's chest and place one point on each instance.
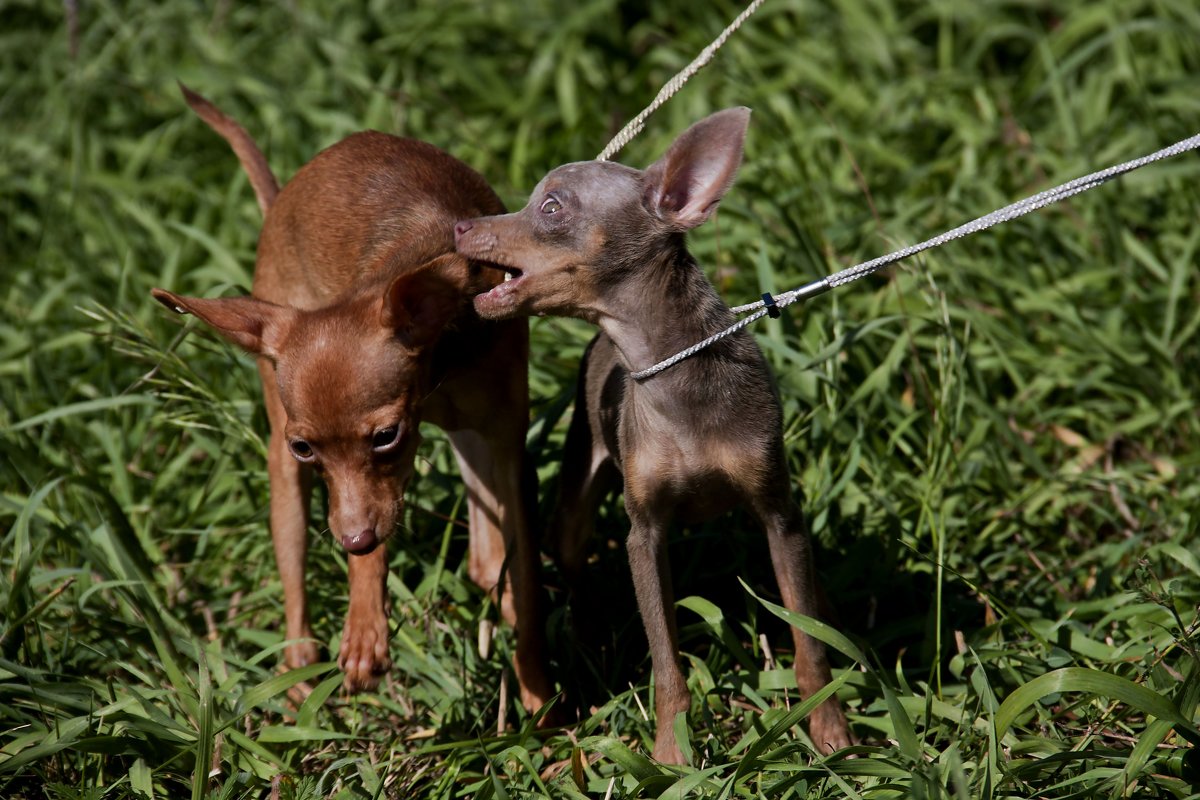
(697, 466)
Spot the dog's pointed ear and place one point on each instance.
(418, 305)
(254, 325)
(684, 187)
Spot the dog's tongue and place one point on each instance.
(499, 300)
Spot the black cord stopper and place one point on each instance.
(769, 303)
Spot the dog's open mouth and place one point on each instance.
(501, 298)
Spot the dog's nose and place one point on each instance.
(462, 226)
(360, 542)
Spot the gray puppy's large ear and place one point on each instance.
(684, 187)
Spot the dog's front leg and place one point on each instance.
(791, 556)
(363, 656)
(291, 488)
(647, 548)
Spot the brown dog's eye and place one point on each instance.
(302, 450)
(385, 439)
(551, 206)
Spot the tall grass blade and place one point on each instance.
(1094, 682)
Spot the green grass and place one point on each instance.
(998, 442)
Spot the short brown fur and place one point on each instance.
(360, 315)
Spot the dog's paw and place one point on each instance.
(828, 729)
(666, 749)
(301, 654)
(364, 652)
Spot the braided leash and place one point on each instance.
(771, 305)
(635, 125)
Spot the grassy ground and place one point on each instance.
(998, 442)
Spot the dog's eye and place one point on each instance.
(302, 450)
(551, 206)
(385, 439)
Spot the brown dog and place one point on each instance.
(361, 318)
(605, 243)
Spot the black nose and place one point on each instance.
(361, 542)
(462, 226)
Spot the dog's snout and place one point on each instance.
(360, 542)
(462, 226)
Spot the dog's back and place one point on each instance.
(359, 210)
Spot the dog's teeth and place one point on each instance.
(508, 276)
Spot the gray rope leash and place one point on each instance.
(635, 125)
(771, 305)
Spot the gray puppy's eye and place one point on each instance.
(551, 205)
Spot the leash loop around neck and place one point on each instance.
(1001, 215)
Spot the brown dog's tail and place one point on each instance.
(261, 178)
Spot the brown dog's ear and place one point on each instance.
(253, 325)
(418, 305)
(685, 185)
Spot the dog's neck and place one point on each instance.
(664, 306)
